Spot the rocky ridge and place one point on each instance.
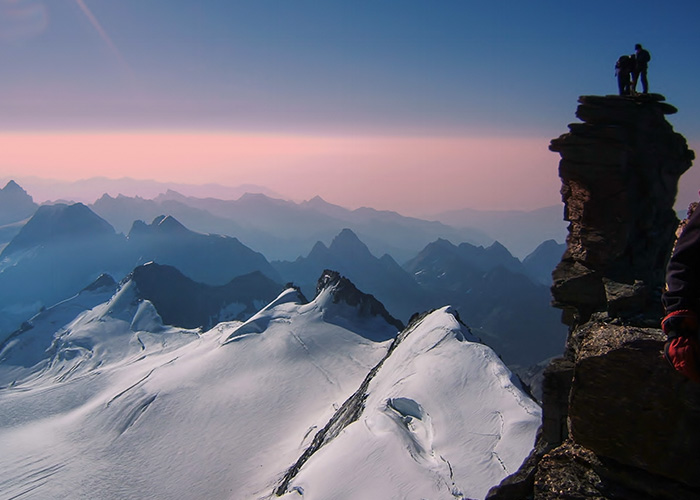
(618, 421)
(344, 291)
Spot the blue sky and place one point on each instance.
(507, 67)
(333, 69)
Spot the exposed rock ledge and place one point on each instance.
(619, 422)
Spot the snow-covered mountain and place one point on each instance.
(120, 405)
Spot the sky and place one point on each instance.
(413, 106)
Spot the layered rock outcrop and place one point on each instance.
(618, 422)
(619, 171)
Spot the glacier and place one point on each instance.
(111, 403)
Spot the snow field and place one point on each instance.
(442, 420)
(119, 406)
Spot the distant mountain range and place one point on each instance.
(284, 230)
(519, 231)
(496, 295)
(87, 190)
(209, 258)
(63, 247)
(382, 277)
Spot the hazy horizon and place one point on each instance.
(88, 190)
(408, 107)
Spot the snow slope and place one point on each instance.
(122, 406)
(128, 408)
(442, 419)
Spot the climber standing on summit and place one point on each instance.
(681, 301)
(641, 62)
(624, 67)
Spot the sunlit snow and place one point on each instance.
(118, 405)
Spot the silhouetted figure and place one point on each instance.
(623, 69)
(641, 61)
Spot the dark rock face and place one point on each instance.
(344, 291)
(188, 304)
(619, 422)
(619, 171)
(628, 404)
(574, 472)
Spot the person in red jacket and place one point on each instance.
(681, 301)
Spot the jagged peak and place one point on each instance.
(168, 223)
(171, 193)
(328, 279)
(318, 203)
(163, 224)
(104, 280)
(13, 186)
(59, 221)
(248, 197)
(105, 197)
(343, 290)
(550, 243)
(348, 242)
(319, 249)
(442, 243)
(317, 200)
(497, 248)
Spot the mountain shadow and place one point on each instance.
(183, 302)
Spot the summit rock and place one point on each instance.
(618, 421)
